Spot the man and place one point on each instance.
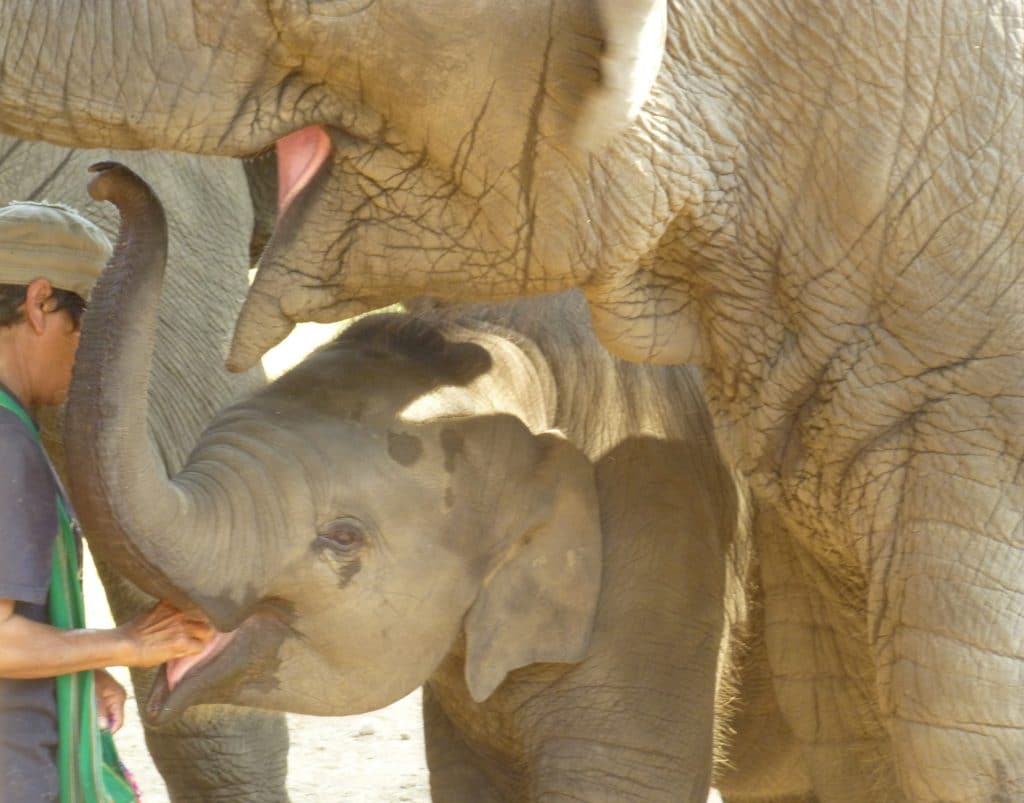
(50, 257)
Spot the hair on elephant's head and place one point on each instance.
(339, 545)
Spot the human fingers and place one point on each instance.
(169, 612)
(156, 649)
(155, 616)
(110, 697)
(194, 629)
(160, 616)
(114, 713)
(203, 631)
(191, 636)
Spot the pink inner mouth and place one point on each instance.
(299, 156)
(177, 667)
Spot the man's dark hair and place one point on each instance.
(12, 296)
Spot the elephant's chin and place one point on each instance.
(244, 659)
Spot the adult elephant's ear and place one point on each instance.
(632, 49)
(539, 598)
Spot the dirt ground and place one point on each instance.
(370, 758)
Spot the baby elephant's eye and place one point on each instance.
(342, 535)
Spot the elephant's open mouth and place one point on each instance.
(179, 667)
(245, 657)
(277, 175)
(287, 194)
(300, 156)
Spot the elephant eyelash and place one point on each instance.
(345, 536)
(339, 543)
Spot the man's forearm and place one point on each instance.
(31, 649)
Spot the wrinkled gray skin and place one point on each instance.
(636, 719)
(189, 384)
(819, 202)
(479, 500)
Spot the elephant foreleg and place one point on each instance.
(455, 772)
(762, 760)
(221, 753)
(822, 673)
(947, 619)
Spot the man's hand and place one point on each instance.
(110, 697)
(163, 633)
(31, 649)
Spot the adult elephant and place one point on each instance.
(817, 201)
(208, 210)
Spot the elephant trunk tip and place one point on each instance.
(99, 167)
(122, 187)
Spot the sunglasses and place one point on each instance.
(72, 302)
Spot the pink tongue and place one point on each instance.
(177, 667)
(299, 155)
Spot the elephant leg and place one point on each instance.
(455, 772)
(947, 614)
(223, 753)
(213, 753)
(762, 759)
(822, 672)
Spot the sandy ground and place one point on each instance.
(370, 758)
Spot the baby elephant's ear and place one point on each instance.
(540, 597)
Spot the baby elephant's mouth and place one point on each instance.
(245, 658)
(177, 668)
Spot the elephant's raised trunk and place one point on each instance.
(138, 520)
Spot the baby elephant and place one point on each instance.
(480, 501)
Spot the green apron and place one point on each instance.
(90, 771)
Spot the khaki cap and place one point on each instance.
(50, 241)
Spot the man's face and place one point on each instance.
(58, 345)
